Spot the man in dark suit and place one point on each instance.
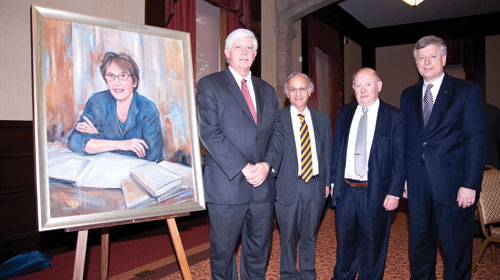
(303, 179)
(367, 176)
(445, 152)
(240, 127)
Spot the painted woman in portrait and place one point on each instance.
(119, 119)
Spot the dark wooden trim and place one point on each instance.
(14, 123)
(17, 189)
(256, 26)
(343, 22)
(473, 26)
(470, 31)
(155, 13)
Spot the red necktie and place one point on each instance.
(248, 99)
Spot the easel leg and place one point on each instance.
(104, 253)
(179, 249)
(81, 250)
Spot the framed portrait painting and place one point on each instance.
(115, 125)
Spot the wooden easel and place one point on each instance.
(83, 233)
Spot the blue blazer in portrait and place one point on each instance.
(143, 122)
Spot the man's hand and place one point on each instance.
(327, 191)
(405, 191)
(248, 170)
(466, 197)
(391, 202)
(256, 174)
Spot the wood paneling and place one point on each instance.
(18, 214)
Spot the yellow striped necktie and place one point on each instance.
(305, 150)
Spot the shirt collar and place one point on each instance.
(436, 84)
(238, 77)
(373, 107)
(295, 112)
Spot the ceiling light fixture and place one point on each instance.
(413, 3)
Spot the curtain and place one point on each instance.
(238, 13)
(181, 15)
(327, 39)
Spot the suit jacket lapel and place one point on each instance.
(380, 127)
(442, 100)
(259, 99)
(290, 137)
(236, 92)
(418, 99)
(349, 115)
(318, 138)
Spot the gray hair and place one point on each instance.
(430, 40)
(240, 33)
(310, 85)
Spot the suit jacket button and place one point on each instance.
(257, 138)
(425, 143)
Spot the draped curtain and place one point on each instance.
(238, 13)
(181, 15)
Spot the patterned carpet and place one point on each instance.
(397, 260)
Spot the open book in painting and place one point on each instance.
(155, 179)
(135, 196)
(142, 182)
(104, 170)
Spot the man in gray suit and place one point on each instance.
(303, 180)
(241, 130)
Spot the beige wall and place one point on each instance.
(15, 46)
(297, 48)
(268, 42)
(352, 63)
(492, 70)
(396, 68)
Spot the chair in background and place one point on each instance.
(488, 209)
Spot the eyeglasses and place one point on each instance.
(111, 77)
(301, 90)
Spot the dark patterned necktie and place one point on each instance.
(360, 158)
(428, 103)
(248, 99)
(305, 150)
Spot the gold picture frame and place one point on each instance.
(72, 185)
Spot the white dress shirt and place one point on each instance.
(296, 133)
(436, 85)
(351, 144)
(238, 79)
